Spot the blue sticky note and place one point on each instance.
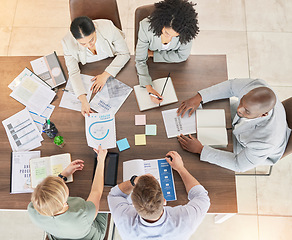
(123, 144)
(151, 129)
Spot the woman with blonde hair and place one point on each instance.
(64, 217)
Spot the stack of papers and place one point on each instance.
(31, 91)
(70, 100)
(22, 132)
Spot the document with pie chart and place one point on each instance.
(100, 129)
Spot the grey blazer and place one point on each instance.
(261, 141)
(111, 41)
(176, 52)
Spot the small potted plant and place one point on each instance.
(59, 141)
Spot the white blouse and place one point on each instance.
(101, 54)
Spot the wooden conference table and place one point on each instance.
(196, 73)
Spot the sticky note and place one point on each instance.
(150, 129)
(40, 173)
(140, 139)
(57, 169)
(140, 119)
(123, 144)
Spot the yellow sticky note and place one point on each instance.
(57, 169)
(140, 139)
(40, 173)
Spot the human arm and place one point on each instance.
(85, 106)
(73, 167)
(177, 164)
(141, 54)
(173, 56)
(97, 184)
(249, 157)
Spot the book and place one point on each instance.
(42, 167)
(20, 171)
(211, 127)
(159, 168)
(144, 100)
(49, 69)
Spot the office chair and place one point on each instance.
(288, 109)
(141, 13)
(96, 9)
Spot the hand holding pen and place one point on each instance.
(154, 95)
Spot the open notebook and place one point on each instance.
(211, 127)
(144, 100)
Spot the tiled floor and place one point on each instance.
(255, 35)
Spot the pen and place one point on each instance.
(153, 95)
(164, 85)
(65, 90)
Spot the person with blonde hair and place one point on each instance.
(64, 217)
(148, 218)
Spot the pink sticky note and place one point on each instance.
(140, 119)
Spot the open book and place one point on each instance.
(159, 168)
(40, 168)
(144, 100)
(211, 127)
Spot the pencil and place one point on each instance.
(164, 85)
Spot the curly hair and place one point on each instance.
(179, 15)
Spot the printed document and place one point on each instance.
(100, 129)
(176, 125)
(22, 132)
(40, 119)
(20, 171)
(33, 94)
(69, 99)
(111, 97)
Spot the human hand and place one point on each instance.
(176, 163)
(85, 108)
(99, 81)
(151, 90)
(73, 167)
(190, 143)
(150, 53)
(101, 153)
(191, 104)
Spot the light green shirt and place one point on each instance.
(77, 222)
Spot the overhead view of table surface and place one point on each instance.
(198, 72)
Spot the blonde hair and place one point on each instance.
(147, 198)
(49, 196)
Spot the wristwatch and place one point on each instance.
(63, 177)
(132, 179)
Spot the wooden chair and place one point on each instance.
(141, 13)
(96, 9)
(288, 109)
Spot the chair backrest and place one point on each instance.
(141, 13)
(288, 108)
(96, 9)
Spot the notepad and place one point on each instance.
(144, 100)
(140, 119)
(140, 139)
(123, 144)
(151, 129)
(211, 127)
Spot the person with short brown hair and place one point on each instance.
(64, 217)
(148, 218)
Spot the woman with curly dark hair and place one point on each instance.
(166, 35)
